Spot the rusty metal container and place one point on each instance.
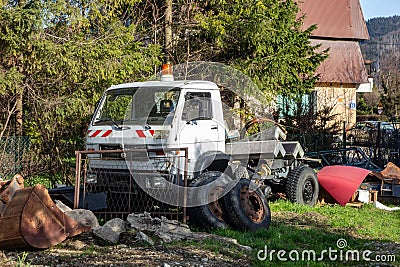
(30, 219)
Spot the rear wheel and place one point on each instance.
(302, 186)
(247, 207)
(211, 187)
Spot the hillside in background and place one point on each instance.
(384, 39)
(383, 49)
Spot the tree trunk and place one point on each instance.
(19, 114)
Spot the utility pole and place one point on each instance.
(168, 31)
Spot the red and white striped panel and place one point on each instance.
(144, 134)
(98, 133)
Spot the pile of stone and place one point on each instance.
(142, 226)
(145, 229)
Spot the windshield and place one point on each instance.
(133, 105)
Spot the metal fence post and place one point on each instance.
(78, 179)
(185, 174)
(344, 134)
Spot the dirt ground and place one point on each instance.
(85, 250)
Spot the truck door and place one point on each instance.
(199, 130)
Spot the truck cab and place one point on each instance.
(158, 114)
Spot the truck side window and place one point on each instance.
(197, 106)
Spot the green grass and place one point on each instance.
(46, 180)
(299, 227)
(22, 260)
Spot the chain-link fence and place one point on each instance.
(115, 183)
(12, 151)
(381, 145)
(316, 142)
(381, 142)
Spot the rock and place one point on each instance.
(85, 218)
(227, 240)
(167, 230)
(62, 206)
(111, 230)
(164, 237)
(165, 265)
(174, 227)
(143, 222)
(142, 237)
(205, 260)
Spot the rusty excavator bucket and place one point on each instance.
(30, 219)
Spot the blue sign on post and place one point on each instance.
(353, 104)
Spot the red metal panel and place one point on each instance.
(341, 182)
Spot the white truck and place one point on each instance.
(190, 114)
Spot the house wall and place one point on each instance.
(341, 26)
(341, 98)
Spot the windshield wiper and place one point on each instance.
(198, 118)
(119, 127)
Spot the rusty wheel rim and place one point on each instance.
(308, 190)
(252, 205)
(213, 203)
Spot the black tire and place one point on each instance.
(210, 216)
(246, 207)
(302, 186)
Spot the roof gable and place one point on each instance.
(345, 63)
(341, 19)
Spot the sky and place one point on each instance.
(380, 8)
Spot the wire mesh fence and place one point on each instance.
(115, 183)
(379, 144)
(12, 152)
(316, 142)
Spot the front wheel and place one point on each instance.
(247, 207)
(302, 186)
(211, 186)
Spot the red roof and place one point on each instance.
(341, 19)
(345, 63)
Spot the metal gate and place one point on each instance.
(115, 183)
(382, 147)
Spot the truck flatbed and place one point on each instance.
(269, 149)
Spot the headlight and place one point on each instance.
(160, 134)
(156, 182)
(91, 178)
